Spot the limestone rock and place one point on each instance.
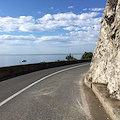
(105, 65)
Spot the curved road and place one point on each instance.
(50, 94)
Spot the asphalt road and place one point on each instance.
(50, 94)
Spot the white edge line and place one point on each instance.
(24, 89)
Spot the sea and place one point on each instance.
(19, 59)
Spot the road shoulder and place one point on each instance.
(96, 109)
(111, 105)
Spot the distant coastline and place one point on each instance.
(16, 59)
(46, 54)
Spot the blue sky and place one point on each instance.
(49, 26)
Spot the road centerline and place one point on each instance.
(34, 83)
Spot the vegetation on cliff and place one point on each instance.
(87, 55)
(70, 57)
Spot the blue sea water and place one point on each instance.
(16, 59)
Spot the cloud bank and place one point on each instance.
(77, 28)
(47, 22)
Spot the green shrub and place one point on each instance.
(70, 57)
(87, 55)
(59, 60)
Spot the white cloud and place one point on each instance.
(88, 15)
(39, 12)
(45, 18)
(65, 16)
(96, 9)
(84, 9)
(11, 40)
(47, 22)
(11, 37)
(80, 28)
(51, 38)
(70, 7)
(71, 28)
(51, 8)
(9, 24)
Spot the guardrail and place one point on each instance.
(12, 71)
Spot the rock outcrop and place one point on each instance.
(105, 65)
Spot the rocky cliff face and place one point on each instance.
(105, 65)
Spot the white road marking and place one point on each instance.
(24, 89)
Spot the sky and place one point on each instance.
(49, 26)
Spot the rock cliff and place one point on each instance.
(105, 65)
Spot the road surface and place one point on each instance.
(50, 94)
